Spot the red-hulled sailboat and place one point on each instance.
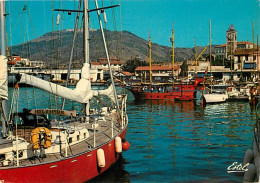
(72, 147)
(184, 91)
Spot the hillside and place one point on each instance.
(54, 48)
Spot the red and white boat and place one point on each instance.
(164, 91)
(184, 91)
(72, 147)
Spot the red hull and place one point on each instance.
(79, 168)
(187, 93)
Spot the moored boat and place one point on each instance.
(57, 145)
(164, 91)
(235, 95)
(216, 93)
(215, 97)
(183, 91)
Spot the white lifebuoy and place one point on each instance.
(101, 158)
(118, 144)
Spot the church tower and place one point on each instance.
(231, 41)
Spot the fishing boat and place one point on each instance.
(72, 146)
(164, 91)
(184, 91)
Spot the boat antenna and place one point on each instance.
(195, 47)
(257, 52)
(108, 60)
(150, 57)
(210, 54)
(3, 100)
(172, 41)
(253, 26)
(210, 47)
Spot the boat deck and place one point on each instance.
(103, 134)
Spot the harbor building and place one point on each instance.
(60, 75)
(225, 51)
(246, 67)
(102, 64)
(240, 61)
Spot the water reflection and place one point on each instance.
(116, 173)
(192, 143)
(175, 141)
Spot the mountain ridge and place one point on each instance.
(54, 48)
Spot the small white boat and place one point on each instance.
(235, 95)
(215, 97)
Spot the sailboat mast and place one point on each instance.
(2, 11)
(210, 47)
(253, 25)
(86, 43)
(172, 40)
(4, 87)
(210, 55)
(195, 56)
(86, 31)
(257, 52)
(150, 57)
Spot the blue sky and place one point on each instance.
(190, 17)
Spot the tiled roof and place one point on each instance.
(111, 62)
(238, 43)
(222, 45)
(244, 42)
(245, 51)
(95, 63)
(127, 73)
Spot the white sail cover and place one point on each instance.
(82, 93)
(108, 92)
(3, 78)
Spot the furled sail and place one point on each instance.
(3, 78)
(108, 92)
(82, 93)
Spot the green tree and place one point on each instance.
(132, 64)
(184, 69)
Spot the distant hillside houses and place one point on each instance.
(102, 64)
(101, 67)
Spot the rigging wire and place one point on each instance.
(95, 39)
(105, 22)
(72, 50)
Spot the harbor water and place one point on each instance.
(175, 141)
